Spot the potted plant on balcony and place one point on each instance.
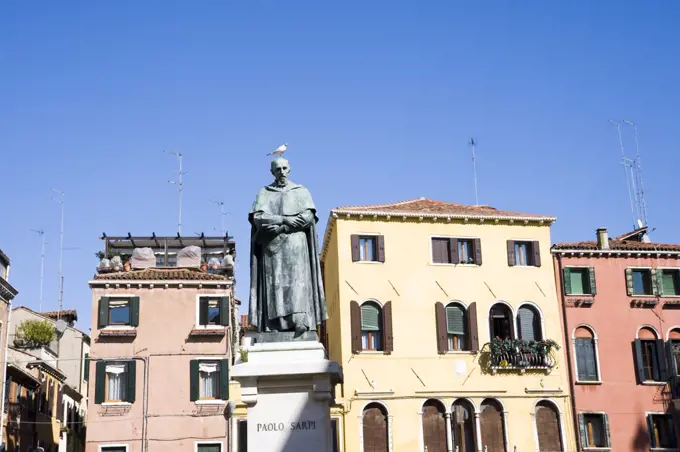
(35, 333)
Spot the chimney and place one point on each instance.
(602, 238)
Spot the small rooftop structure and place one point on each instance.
(636, 241)
(69, 316)
(166, 248)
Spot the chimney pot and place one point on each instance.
(602, 238)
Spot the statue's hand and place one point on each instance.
(298, 222)
(275, 228)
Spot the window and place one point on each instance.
(371, 327)
(434, 426)
(441, 251)
(209, 379)
(529, 323)
(465, 254)
(371, 319)
(673, 345)
(594, 430)
(492, 423)
(548, 427)
(639, 281)
(335, 438)
(500, 322)
(524, 253)
(115, 381)
(579, 281)
(447, 250)
(670, 282)
(209, 447)
(118, 311)
(368, 248)
(374, 426)
(462, 424)
(586, 362)
(650, 357)
(661, 432)
(456, 328)
(113, 449)
(242, 436)
(213, 311)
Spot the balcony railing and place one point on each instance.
(515, 354)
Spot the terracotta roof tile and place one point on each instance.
(64, 313)
(618, 245)
(432, 207)
(163, 274)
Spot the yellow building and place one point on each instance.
(415, 292)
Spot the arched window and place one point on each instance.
(462, 426)
(650, 358)
(456, 327)
(375, 428)
(674, 351)
(586, 355)
(434, 427)
(492, 426)
(548, 427)
(500, 322)
(371, 322)
(529, 323)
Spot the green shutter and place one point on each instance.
(592, 285)
(639, 364)
(607, 435)
(86, 370)
(629, 281)
(661, 359)
(224, 311)
(455, 320)
(224, 379)
(567, 281)
(584, 433)
(134, 311)
(193, 380)
(370, 317)
(669, 283)
(577, 279)
(655, 281)
(650, 428)
(100, 382)
(131, 381)
(202, 311)
(103, 312)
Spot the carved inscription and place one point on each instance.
(280, 426)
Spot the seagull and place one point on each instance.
(280, 150)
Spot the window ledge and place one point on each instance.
(668, 296)
(460, 352)
(372, 352)
(114, 332)
(210, 402)
(368, 262)
(654, 383)
(196, 331)
(523, 266)
(116, 404)
(663, 449)
(597, 448)
(598, 382)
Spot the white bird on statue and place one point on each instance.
(280, 150)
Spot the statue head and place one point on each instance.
(280, 169)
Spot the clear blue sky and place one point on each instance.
(376, 99)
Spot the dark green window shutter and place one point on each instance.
(193, 380)
(661, 359)
(100, 382)
(134, 311)
(592, 285)
(224, 379)
(224, 311)
(455, 320)
(650, 428)
(583, 431)
(86, 369)
(370, 317)
(655, 275)
(637, 345)
(567, 280)
(202, 311)
(103, 312)
(585, 359)
(629, 281)
(672, 363)
(607, 435)
(669, 282)
(131, 381)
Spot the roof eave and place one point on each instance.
(463, 216)
(609, 251)
(170, 282)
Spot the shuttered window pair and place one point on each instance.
(371, 327)
(524, 253)
(579, 281)
(456, 327)
(586, 363)
(650, 360)
(118, 311)
(594, 429)
(115, 381)
(368, 248)
(209, 379)
(213, 311)
(661, 431)
(451, 250)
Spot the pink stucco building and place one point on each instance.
(620, 300)
(161, 349)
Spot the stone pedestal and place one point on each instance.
(288, 388)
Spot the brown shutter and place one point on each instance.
(355, 248)
(511, 253)
(387, 327)
(453, 251)
(436, 251)
(355, 321)
(477, 245)
(536, 250)
(472, 327)
(442, 335)
(381, 248)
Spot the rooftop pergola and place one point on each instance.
(211, 246)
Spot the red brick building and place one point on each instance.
(620, 300)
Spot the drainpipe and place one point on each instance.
(4, 372)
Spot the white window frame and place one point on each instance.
(206, 442)
(235, 433)
(340, 431)
(601, 413)
(659, 449)
(661, 269)
(382, 330)
(367, 234)
(540, 315)
(118, 296)
(599, 380)
(457, 352)
(444, 264)
(586, 267)
(389, 424)
(197, 324)
(529, 255)
(104, 446)
(513, 315)
(651, 282)
(209, 401)
(106, 389)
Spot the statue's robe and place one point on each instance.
(286, 289)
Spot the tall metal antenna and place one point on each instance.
(473, 144)
(61, 248)
(640, 195)
(42, 263)
(222, 215)
(624, 162)
(180, 185)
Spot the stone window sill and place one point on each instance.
(118, 332)
(655, 383)
(116, 404)
(460, 352)
(597, 448)
(197, 331)
(210, 402)
(598, 382)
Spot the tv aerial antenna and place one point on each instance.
(42, 264)
(180, 186)
(61, 248)
(473, 144)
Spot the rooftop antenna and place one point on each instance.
(222, 215)
(179, 184)
(42, 264)
(473, 143)
(625, 161)
(642, 203)
(61, 248)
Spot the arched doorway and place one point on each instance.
(492, 426)
(434, 427)
(375, 428)
(462, 426)
(548, 427)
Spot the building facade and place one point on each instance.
(7, 294)
(161, 350)
(445, 320)
(620, 300)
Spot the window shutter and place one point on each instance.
(440, 322)
(567, 280)
(591, 364)
(356, 256)
(662, 281)
(453, 256)
(370, 317)
(131, 381)
(134, 311)
(60, 403)
(387, 327)
(436, 251)
(536, 250)
(607, 435)
(655, 281)
(511, 253)
(581, 366)
(629, 281)
(526, 319)
(99, 382)
(472, 327)
(591, 281)
(224, 311)
(355, 324)
(650, 429)
(663, 363)
(224, 379)
(103, 312)
(193, 380)
(86, 369)
(455, 320)
(672, 364)
(637, 346)
(202, 311)
(381, 248)
(583, 431)
(477, 245)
